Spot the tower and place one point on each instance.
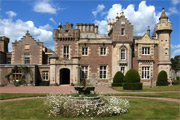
(163, 31)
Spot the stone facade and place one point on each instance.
(82, 53)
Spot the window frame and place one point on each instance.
(45, 75)
(145, 72)
(84, 72)
(66, 51)
(103, 51)
(27, 58)
(146, 51)
(123, 53)
(166, 51)
(17, 75)
(122, 31)
(122, 70)
(84, 51)
(103, 72)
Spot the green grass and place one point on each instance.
(139, 109)
(4, 96)
(147, 88)
(175, 95)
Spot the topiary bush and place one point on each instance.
(162, 79)
(118, 79)
(132, 86)
(132, 81)
(132, 76)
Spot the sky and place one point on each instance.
(40, 17)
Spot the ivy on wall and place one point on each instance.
(24, 70)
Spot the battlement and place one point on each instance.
(66, 32)
(87, 27)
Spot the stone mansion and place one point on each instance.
(81, 53)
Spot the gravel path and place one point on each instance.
(63, 89)
(154, 98)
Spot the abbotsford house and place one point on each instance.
(81, 53)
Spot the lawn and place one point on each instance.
(4, 96)
(139, 109)
(154, 89)
(175, 95)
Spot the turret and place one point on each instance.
(163, 30)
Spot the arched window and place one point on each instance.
(123, 54)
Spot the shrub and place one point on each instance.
(44, 83)
(65, 105)
(132, 76)
(162, 79)
(132, 81)
(132, 86)
(118, 79)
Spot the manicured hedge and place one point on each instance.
(132, 81)
(116, 84)
(118, 79)
(132, 86)
(44, 83)
(162, 79)
(132, 76)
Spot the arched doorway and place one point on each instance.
(64, 76)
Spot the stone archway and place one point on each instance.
(64, 76)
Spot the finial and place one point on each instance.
(117, 14)
(27, 33)
(163, 8)
(60, 23)
(109, 20)
(122, 13)
(148, 27)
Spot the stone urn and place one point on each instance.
(84, 89)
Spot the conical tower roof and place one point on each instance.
(163, 15)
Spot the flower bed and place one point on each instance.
(65, 105)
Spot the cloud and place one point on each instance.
(52, 20)
(11, 14)
(16, 30)
(99, 9)
(176, 52)
(141, 18)
(173, 10)
(45, 6)
(102, 26)
(175, 46)
(175, 2)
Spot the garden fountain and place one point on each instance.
(86, 90)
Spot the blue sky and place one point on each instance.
(40, 17)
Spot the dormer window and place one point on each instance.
(122, 31)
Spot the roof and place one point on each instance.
(54, 55)
(137, 37)
(163, 15)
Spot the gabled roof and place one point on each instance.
(146, 40)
